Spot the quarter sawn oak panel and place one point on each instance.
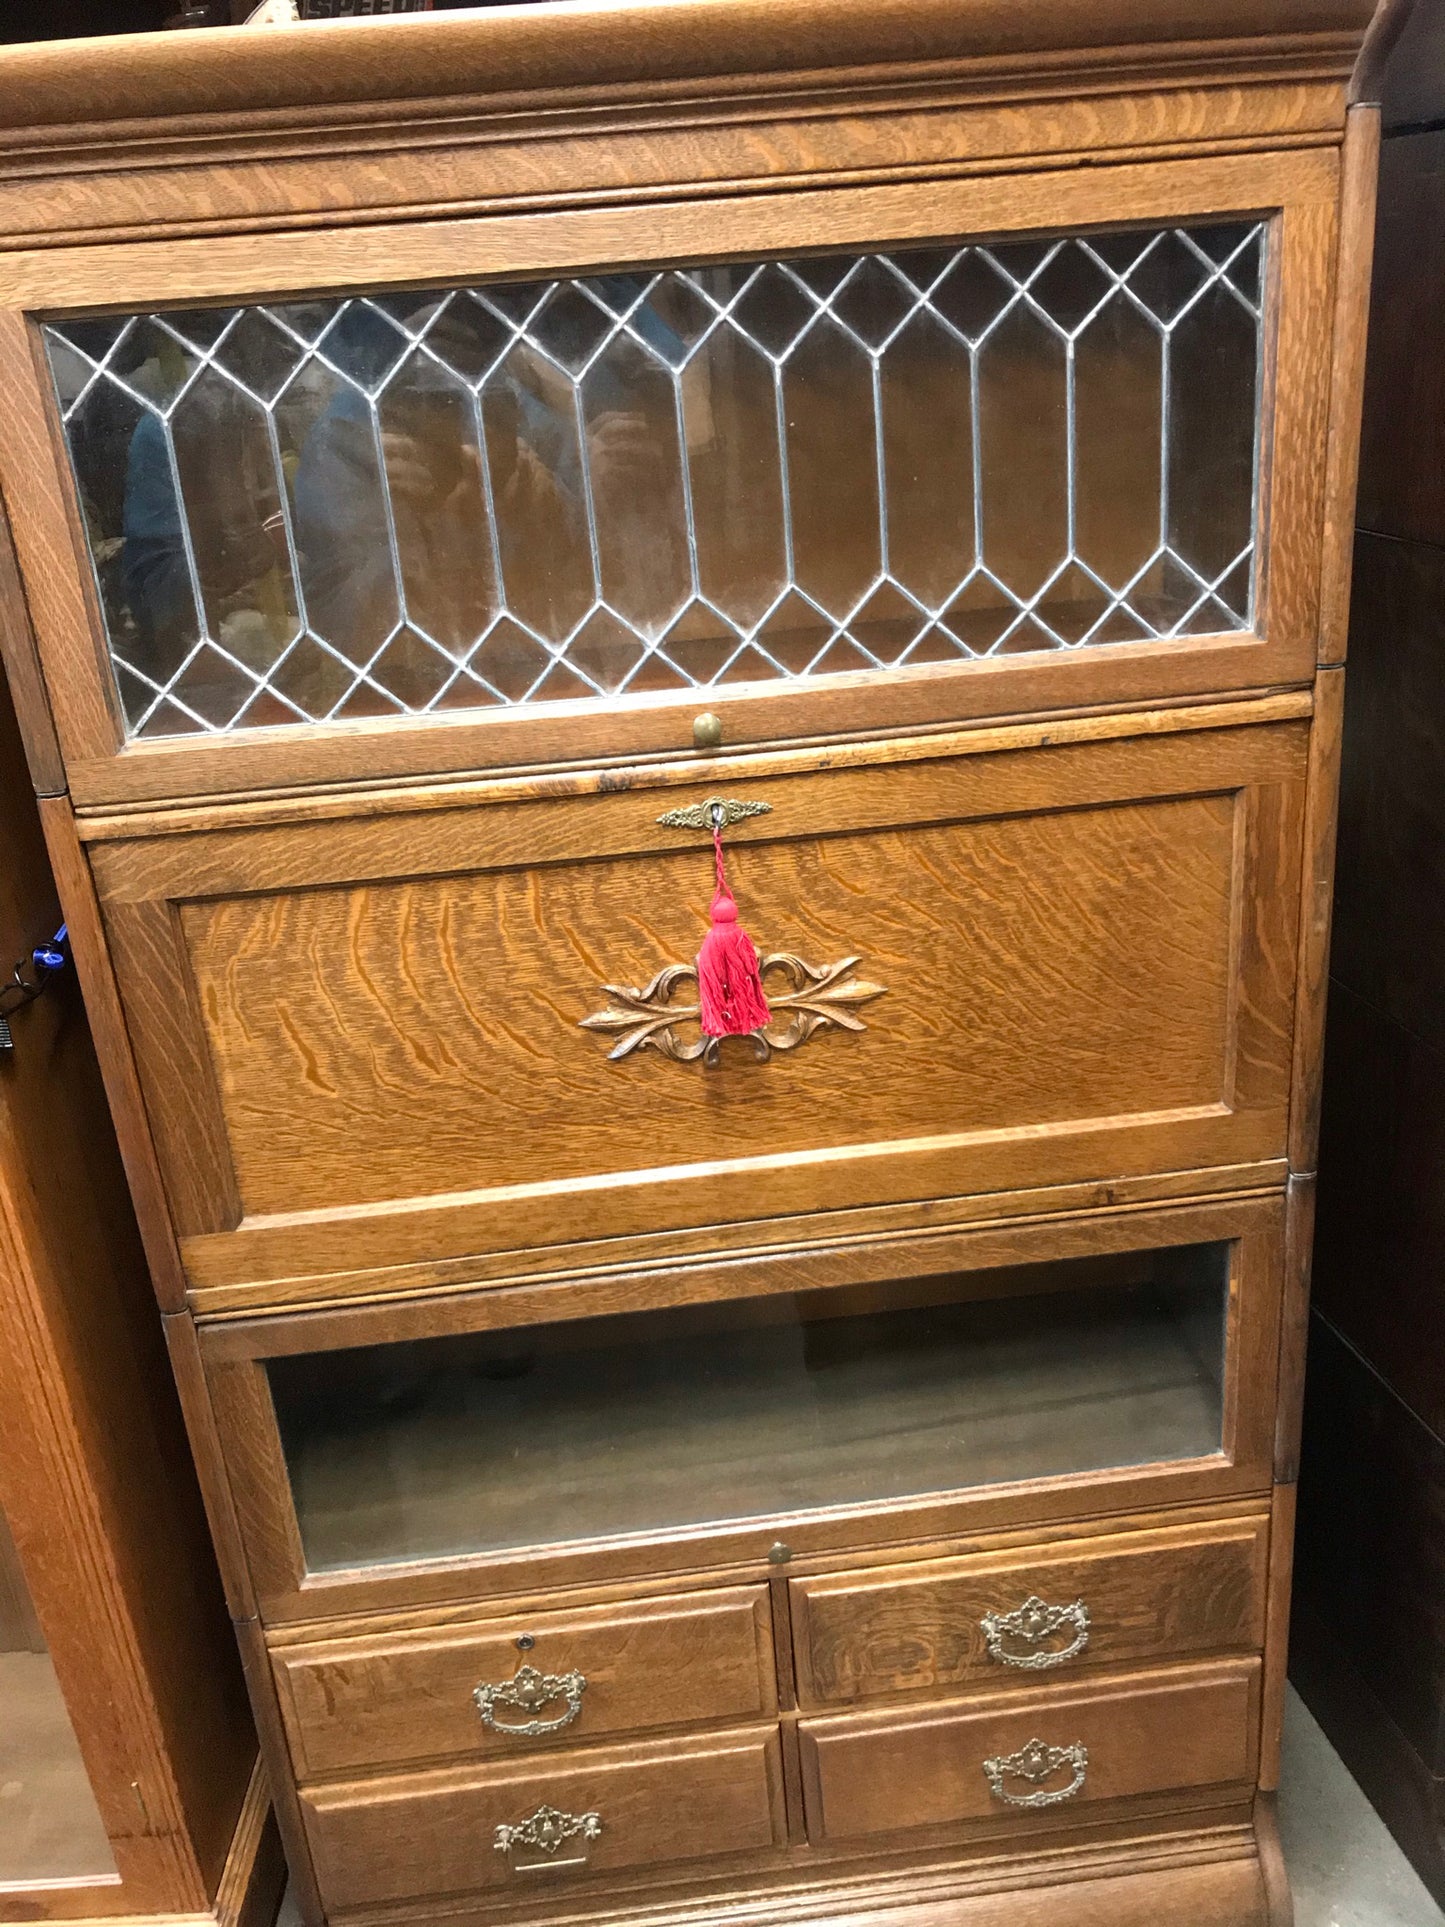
(401, 1696)
(1187, 1729)
(432, 1834)
(914, 1629)
(361, 1041)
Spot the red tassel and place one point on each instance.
(730, 985)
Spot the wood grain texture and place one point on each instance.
(1360, 169)
(1150, 1596)
(352, 961)
(97, 1488)
(1095, 1002)
(261, 1686)
(113, 1050)
(254, 1878)
(391, 1839)
(464, 160)
(851, 750)
(1316, 909)
(1294, 1327)
(737, 48)
(1211, 1877)
(760, 1250)
(1188, 1728)
(1278, 1898)
(399, 1697)
(393, 1058)
(436, 1617)
(1276, 1645)
(209, 1461)
(1297, 396)
(25, 677)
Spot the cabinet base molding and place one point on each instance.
(1221, 1875)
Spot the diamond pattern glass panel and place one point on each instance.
(583, 489)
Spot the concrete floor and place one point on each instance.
(1345, 1869)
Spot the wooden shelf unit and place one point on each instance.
(441, 451)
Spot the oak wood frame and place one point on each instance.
(235, 1353)
(1297, 190)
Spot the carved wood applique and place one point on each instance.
(812, 998)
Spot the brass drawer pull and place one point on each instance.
(1036, 1763)
(529, 1691)
(547, 1832)
(1030, 1623)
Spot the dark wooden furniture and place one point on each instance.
(127, 1754)
(848, 1469)
(1369, 1636)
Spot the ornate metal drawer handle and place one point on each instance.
(529, 1691)
(1032, 1622)
(1036, 1763)
(547, 1830)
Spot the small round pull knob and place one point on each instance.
(707, 731)
(779, 1554)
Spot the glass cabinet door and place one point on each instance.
(50, 1826)
(659, 1421)
(638, 483)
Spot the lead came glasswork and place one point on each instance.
(560, 490)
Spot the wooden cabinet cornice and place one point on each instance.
(533, 106)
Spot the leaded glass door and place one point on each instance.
(901, 467)
(527, 493)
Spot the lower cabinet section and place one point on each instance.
(482, 1762)
(1030, 1755)
(488, 1829)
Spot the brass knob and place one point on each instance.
(707, 731)
(779, 1554)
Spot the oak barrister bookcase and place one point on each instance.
(455, 467)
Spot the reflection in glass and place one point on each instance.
(558, 491)
(50, 1826)
(662, 1420)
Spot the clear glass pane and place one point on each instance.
(50, 1826)
(574, 490)
(604, 1427)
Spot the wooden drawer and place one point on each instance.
(1181, 1731)
(434, 1834)
(400, 1696)
(1087, 950)
(1139, 1596)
